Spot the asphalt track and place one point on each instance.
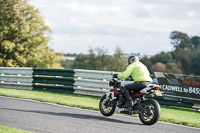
(49, 118)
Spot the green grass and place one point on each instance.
(180, 115)
(80, 101)
(177, 115)
(5, 129)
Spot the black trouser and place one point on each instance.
(137, 86)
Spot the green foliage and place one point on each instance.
(180, 40)
(119, 61)
(81, 62)
(98, 59)
(5, 129)
(196, 41)
(184, 56)
(162, 57)
(24, 36)
(186, 52)
(195, 64)
(67, 64)
(172, 67)
(183, 59)
(147, 62)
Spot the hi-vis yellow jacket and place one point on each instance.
(138, 71)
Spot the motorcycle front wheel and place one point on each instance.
(107, 106)
(150, 113)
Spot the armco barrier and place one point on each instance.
(95, 83)
(16, 78)
(92, 82)
(57, 80)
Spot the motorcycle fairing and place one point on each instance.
(149, 87)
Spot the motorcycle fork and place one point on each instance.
(110, 98)
(111, 94)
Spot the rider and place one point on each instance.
(141, 76)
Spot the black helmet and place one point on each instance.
(132, 59)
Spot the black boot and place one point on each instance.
(129, 101)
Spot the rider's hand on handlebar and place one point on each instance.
(115, 75)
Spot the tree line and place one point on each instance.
(24, 38)
(98, 59)
(183, 59)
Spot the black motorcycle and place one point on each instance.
(148, 110)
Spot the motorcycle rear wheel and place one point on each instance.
(107, 106)
(151, 112)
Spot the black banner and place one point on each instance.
(184, 88)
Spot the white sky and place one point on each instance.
(136, 26)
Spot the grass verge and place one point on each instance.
(177, 115)
(5, 129)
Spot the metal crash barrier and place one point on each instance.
(178, 89)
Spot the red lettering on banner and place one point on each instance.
(195, 83)
(186, 82)
(190, 82)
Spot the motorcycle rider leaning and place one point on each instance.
(141, 76)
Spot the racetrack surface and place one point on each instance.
(50, 118)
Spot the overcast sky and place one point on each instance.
(136, 26)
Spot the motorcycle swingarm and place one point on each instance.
(139, 107)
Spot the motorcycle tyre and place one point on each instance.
(101, 109)
(156, 114)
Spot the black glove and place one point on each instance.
(129, 78)
(115, 75)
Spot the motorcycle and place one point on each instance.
(148, 109)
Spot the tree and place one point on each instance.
(162, 57)
(180, 40)
(98, 59)
(158, 67)
(80, 62)
(173, 67)
(184, 58)
(184, 50)
(24, 36)
(196, 41)
(195, 64)
(119, 60)
(67, 64)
